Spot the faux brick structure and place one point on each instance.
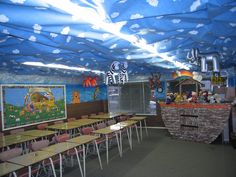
(195, 122)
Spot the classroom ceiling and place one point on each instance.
(67, 38)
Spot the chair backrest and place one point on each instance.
(84, 116)
(42, 126)
(93, 114)
(15, 131)
(58, 122)
(9, 154)
(87, 130)
(111, 122)
(62, 138)
(35, 146)
(100, 125)
(1, 134)
(123, 118)
(71, 119)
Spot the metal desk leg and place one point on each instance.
(99, 158)
(136, 127)
(84, 160)
(128, 134)
(60, 165)
(107, 149)
(53, 168)
(141, 130)
(80, 168)
(131, 144)
(29, 171)
(14, 174)
(118, 143)
(145, 124)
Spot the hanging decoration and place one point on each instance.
(90, 82)
(117, 69)
(155, 82)
(181, 74)
(123, 74)
(203, 59)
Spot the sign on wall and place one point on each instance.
(24, 105)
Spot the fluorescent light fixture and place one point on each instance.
(60, 66)
(96, 15)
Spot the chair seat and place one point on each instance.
(100, 140)
(112, 135)
(72, 152)
(55, 159)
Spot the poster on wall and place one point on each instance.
(80, 94)
(24, 105)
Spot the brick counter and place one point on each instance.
(195, 122)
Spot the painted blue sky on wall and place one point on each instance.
(86, 94)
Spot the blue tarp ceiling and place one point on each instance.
(152, 35)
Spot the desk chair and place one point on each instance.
(42, 126)
(15, 131)
(38, 145)
(15, 152)
(71, 119)
(58, 122)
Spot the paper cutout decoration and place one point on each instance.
(182, 73)
(90, 82)
(123, 74)
(155, 82)
(197, 76)
(203, 59)
(117, 68)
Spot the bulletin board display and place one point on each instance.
(24, 105)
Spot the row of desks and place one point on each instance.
(27, 160)
(61, 147)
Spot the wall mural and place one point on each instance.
(24, 105)
(79, 93)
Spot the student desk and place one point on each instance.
(67, 127)
(63, 147)
(37, 133)
(70, 126)
(140, 119)
(85, 122)
(117, 128)
(31, 158)
(6, 168)
(82, 140)
(8, 140)
(104, 116)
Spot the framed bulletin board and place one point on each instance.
(24, 105)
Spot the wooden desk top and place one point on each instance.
(138, 118)
(37, 133)
(115, 127)
(84, 122)
(6, 168)
(83, 139)
(105, 116)
(31, 158)
(60, 147)
(14, 139)
(63, 126)
(107, 130)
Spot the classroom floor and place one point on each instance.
(161, 156)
